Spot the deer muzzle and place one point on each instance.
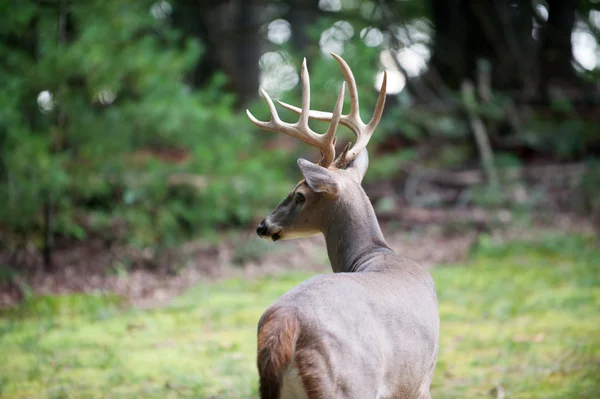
(264, 231)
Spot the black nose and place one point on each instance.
(261, 230)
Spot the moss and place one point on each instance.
(522, 318)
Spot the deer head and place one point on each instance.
(308, 208)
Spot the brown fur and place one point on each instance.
(278, 332)
(312, 372)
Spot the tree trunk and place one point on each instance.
(301, 15)
(248, 50)
(556, 54)
(229, 31)
(501, 33)
(449, 59)
(469, 30)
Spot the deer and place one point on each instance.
(370, 329)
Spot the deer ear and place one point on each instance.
(318, 178)
(360, 165)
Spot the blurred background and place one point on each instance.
(129, 168)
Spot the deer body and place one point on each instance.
(371, 329)
(355, 336)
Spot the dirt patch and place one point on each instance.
(92, 267)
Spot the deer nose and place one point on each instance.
(261, 230)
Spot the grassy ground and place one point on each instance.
(518, 321)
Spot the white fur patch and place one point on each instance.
(292, 384)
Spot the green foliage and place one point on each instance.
(521, 318)
(114, 105)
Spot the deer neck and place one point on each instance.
(353, 235)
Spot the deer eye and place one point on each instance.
(299, 198)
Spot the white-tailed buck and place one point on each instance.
(370, 329)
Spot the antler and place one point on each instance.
(324, 142)
(352, 120)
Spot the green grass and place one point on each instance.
(522, 318)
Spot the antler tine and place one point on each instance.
(363, 135)
(349, 76)
(300, 130)
(364, 132)
(304, 77)
(272, 124)
(337, 114)
(380, 104)
(352, 120)
(329, 135)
